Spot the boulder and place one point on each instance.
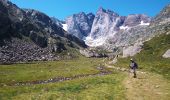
(132, 50)
(92, 53)
(166, 54)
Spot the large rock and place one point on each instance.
(132, 50)
(166, 54)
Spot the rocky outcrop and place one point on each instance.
(24, 51)
(166, 54)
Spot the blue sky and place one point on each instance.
(63, 8)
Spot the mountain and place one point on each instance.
(109, 28)
(29, 35)
(111, 31)
(80, 24)
(106, 28)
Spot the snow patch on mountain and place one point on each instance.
(65, 26)
(142, 23)
(124, 27)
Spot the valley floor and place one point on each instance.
(87, 82)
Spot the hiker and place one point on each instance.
(133, 66)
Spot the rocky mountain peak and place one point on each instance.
(80, 24)
(100, 10)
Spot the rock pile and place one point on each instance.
(23, 51)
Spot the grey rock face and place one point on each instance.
(105, 23)
(79, 24)
(166, 54)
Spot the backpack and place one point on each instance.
(135, 65)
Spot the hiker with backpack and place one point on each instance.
(133, 66)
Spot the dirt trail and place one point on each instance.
(147, 86)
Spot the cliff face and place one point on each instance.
(80, 24)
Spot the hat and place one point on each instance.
(131, 59)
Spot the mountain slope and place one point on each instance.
(27, 35)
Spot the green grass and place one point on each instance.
(90, 88)
(150, 58)
(47, 70)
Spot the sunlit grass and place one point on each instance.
(88, 88)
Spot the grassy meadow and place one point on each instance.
(107, 87)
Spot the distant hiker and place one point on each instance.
(133, 66)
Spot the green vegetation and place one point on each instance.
(115, 86)
(96, 88)
(88, 88)
(150, 58)
(47, 70)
